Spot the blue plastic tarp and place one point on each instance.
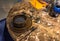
(2, 26)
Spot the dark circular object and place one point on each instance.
(19, 21)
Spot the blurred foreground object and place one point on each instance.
(27, 23)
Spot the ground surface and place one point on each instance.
(5, 6)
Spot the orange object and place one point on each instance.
(38, 4)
